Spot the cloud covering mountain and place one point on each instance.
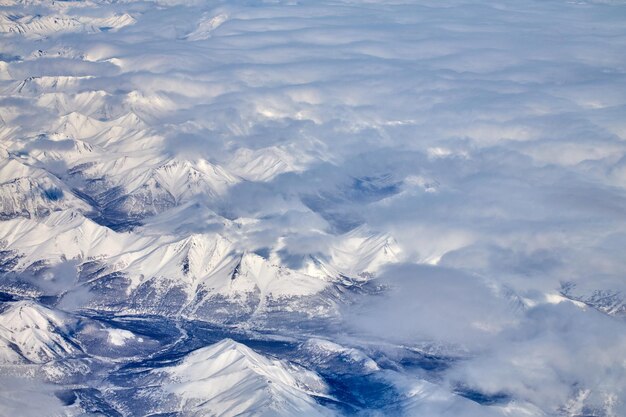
(397, 207)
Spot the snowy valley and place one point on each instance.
(301, 208)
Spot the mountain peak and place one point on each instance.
(28, 314)
(36, 332)
(240, 381)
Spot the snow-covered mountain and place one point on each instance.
(331, 208)
(242, 382)
(191, 275)
(38, 26)
(29, 191)
(33, 333)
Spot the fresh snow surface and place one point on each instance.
(242, 382)
(303, 208)
(37, 333)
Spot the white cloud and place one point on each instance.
(486, 138)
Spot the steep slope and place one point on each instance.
(255, 273)
(264, 164)
(361, 252)
(89, 103)
(38, 26)
(185, 261)
(58, 152)
(153, 272)
(29, 191)
(150, 106)
(145, 183)
(62, 235)
(34, 86)
(36, 333)
(191, 217)
(183, 179)
(79, 126)
(229, 379)
(207, 277)
(354, 257)
(608, 301)
(337, 359)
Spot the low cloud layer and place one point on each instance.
(487, 140)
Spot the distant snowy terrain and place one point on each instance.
(313, 208)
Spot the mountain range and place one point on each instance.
(295, 208)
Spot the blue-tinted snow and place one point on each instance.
(487, 138)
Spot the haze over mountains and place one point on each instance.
(312, 208)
